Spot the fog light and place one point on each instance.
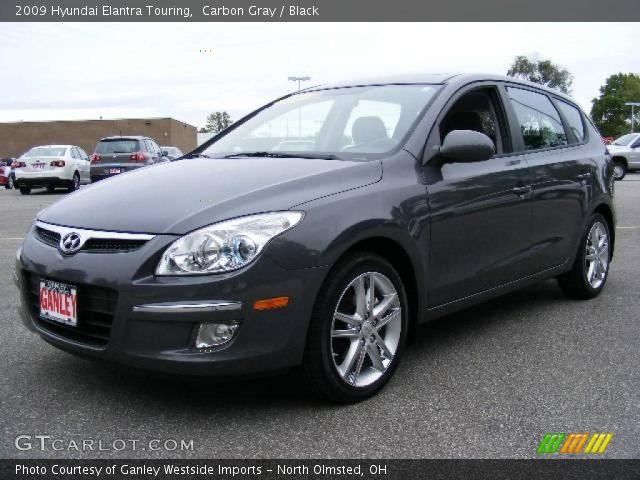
(215, 334)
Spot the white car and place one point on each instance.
(625, 152)
(52, 166)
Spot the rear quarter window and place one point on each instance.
(574, 118)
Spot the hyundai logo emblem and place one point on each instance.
(70, 243)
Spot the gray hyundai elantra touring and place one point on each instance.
(320, 230)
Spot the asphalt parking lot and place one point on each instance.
(486, 382)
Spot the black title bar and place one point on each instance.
(315, 10)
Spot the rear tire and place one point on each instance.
(619, 169)
(352, 348)
(51, 188)
(590, 270)
(75, 183)
(25, 190)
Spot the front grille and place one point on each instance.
(96, 309)
(94, 245)
(112, 245)
(48, 237)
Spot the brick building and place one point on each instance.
(16, 138)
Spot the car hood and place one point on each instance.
(177, 197)
(617, 148)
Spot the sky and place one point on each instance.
(55, 71)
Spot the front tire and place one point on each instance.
(619, 169)
(51, 188)
(357, 333)
(590, 270)
(25, 190)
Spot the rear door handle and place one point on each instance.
(521, 190)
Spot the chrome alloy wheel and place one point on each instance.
(618, 171)
(366, 329)
(597, 255)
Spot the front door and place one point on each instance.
(480, 211)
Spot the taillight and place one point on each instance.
(95, 158)
(138, 157)
(20, 165)
(57, 163)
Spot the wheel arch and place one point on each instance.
(620, 158)
(399, 257)
(606, 211)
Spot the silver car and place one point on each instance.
(116, 155)
(625, 152)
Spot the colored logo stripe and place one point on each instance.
(550, 442)
(573, 443)
(598, 443)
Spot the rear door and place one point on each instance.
(561, 173)
(481, 218)
(84, 165)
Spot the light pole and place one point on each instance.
(299, 80)
(632, 105)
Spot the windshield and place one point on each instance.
(172, 151)
(340, 122)
(118, 146)
(46, 152)
(625, 140)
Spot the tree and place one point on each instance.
(609, 112)
(544, 72)
(218, 121)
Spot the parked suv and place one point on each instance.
(116, 155)
(420, 196)
(626, 154)
(52, 166)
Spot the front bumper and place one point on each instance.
(162, 339)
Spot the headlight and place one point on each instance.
(225, 246)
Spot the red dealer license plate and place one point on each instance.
(59, 302)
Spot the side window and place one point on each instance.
(83, 154)
(153, 147)
(540, 122)
(75, 154)
(574, 118)
(478, 110)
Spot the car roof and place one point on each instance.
(437, 79)
(53, 146)
(124, 137)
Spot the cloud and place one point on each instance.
(183, 70)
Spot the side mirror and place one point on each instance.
(467, 146)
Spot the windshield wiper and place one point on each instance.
(197, 155)
(282, 155)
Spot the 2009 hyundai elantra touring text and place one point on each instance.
(321, 229)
